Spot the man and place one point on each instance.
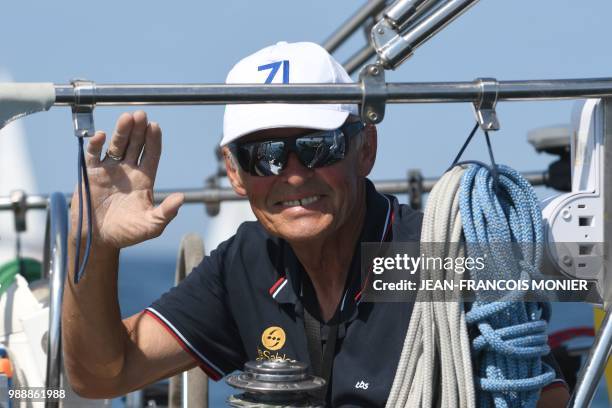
(303, 169)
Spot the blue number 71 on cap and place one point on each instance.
(274, 67)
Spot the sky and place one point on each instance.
(198, 42)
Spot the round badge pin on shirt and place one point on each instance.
(273, 338)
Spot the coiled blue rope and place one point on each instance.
(500, 213)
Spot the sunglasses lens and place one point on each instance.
(321, 149)
(268, 158)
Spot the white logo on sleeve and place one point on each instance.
(362, 385)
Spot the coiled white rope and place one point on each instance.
(437, 344)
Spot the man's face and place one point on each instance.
(303, 204)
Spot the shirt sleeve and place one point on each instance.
(197, 314)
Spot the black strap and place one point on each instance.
(330, 352)
(313, 337)
(322, 361)
(82, 179)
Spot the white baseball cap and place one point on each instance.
(294, 63)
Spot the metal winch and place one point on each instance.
(275, 383)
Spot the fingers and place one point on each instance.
(137, 138)
(120, 139)
(94, 149)
(129, 138)
(152, 150)
(167, 210)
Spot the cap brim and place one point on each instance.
(241, 120)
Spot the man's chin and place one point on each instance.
(302, 238)
(303, 234)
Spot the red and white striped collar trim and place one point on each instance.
(278, 286)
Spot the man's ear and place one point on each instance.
(233, 173)
(367, 151)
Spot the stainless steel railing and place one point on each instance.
(395, 92)
(216, 195)
(55, 261)
(190, 388)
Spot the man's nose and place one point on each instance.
(295, 172)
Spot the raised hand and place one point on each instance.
(122, 182)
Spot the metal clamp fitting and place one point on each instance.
(19, 205)
(212, 207)
(390, 46)
(374, 97)
(415, 189)
(82, 110)
(484, 109)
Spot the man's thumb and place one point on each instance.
(168, 208)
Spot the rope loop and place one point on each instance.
(492, 168)
(502, 221)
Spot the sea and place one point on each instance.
(144, 278)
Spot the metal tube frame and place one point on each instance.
(55, 261)
(395, 17)
(402, 12)
(394, 43)
(212, 196)
(189, 388)
(357, 60)
(593, 369)
(371, 8)
(337, 93)
(595, 365)
(399, 92)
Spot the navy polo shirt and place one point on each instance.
(246, 302)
